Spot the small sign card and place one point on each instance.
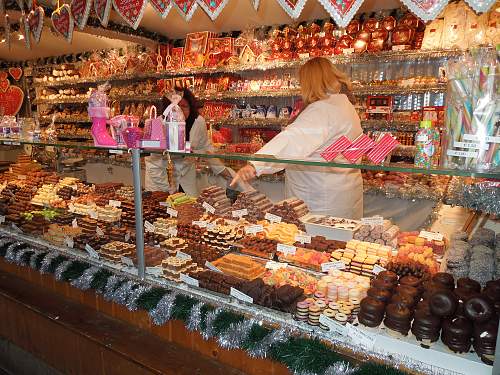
(240, 295)
(272, 218)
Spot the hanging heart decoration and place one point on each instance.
(24, 22)
(35, 21)
(63, 22)
(4, 82)
(102, 9)
(186, 8)
(80, 9)
(255, 4)
(161, 6)
(11, 100)
(342, 11)
(480, 6)
(130, 10)
(427, 10)
(213, 7)
(293, 7)
(16, 73)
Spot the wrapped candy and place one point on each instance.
(176, 124)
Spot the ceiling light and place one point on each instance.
(20, 37)
(2, 41)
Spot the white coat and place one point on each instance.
(156, 178)
(325, 190)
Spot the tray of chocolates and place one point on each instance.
(332, 228)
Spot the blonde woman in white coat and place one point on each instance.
(328, 114)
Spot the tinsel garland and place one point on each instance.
(303, 356)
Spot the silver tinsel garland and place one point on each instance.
(62, 268)
(194, 320)
(339, 368)
(33, 258)
(208, 332)
(134, 296)
(10, 254)
(262, 348)
(111, 284)
(85, 280)
(49, 257)
(163, 310)
(122, 293)
(236, 334)
(19, 255)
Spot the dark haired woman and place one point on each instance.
(185, 171)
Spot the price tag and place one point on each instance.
(74, 187)
(92, 214)
(200, 223)
(272, 218)
(377, 269)
(164, 204)
(15, 228)
(333, 325)
(254, 229)
(16, 143)
(211, 226)
(116, 152)
(286, 249)
(208, 207)
(172, 231)
(240, 295)
(431, 236)
(149, 227)
(189, 280)
(127, 236)
(172, 212)
(154, 271)
(348, 51)
(74, 223)
(210, 266)
(360, 337)
(462, 154)
(399, 48)
(90, 250)
(99, 231)
(182, 255)
(272, 265)
(2, 219)
(303, 238)
(71, 207)
(127, 261)
(240, 213)
(68, 241)
(422, 138)
(372, 221)
(489, 138)
(114, 203)
(338, 265)
(21, 177)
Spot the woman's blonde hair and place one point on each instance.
(319, 78)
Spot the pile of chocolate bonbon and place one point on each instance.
(216, 199)
(256, 205)
(290, 211)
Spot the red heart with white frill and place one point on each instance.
(130, 10)
(62, 20)
(11, 100)
(16, 73)
(80, 9)
(35, 21)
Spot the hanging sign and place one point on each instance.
(35, 21)
(102, 9)
(213, 7)
(426, 10)
(186, 8)
(80, 9)
(131, 11)
(63, 22)
(162, 6)
(292, 7)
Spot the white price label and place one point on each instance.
(377, 269)
(332, 325)
(272, 265)
(99, 231)
(92, 214)
(74, 223)
(164, 204)
(200, 223)
(372, 221)
(182, 255)
(338, 265)
(210, 266)
(211, 226)
(154, 271)
(114, 203)
(360, 337)
(21, 177)
(286, 249)
(254, 229)
(116, 152)
(303, 238)
(348, 51)
(74, 187)
(172, 212)
(2, 219)
(208, 207)
(127, 261)
(16, 143)
(127, 236)
(149, 227)
(471, 145)
(90, 250)
(272, 218)
(172, 231)
(68, 241)
(15, 228)
(240, 295)
(189, 280)
(488, 139)
(240, 213)
(71, 207)
(462, 154)
(431, 236)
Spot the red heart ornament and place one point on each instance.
(11, 101)
(293, 7)
(342, 11)
(80, 9)
(102, 8)
(427, 10)
(130, 10)
(4, 85)
(63, 22)
(35, 20)
(161, 6)
(16, 73)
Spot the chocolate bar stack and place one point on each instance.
(216, 197)
(128, 214)
(256, 204)
(66, 193)
(190, 232)
(239, 266)
(291, 210)
(91, 239)
(217, 282)
(65, 218)
(118, 234)
(221, 237)
(88, 225)
(259, 247)
(163, 226)
(174, 244)
(126, 193)
(173, 267)
(108, 187)
(284, 298)
(320, 243)
(202, 253)
(36, 226)
(113, 251)
(187, 213)
(153, 256)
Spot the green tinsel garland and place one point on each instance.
(224, 320)
(205, 309)
(74, 271)
(182, 307)
(100, 279)
(256, 335)
(25, 258)
(39, 259)
(149, 299)
(378, 369)
(56, 262)
(302, 354)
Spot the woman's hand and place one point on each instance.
(226, 174)
(245, 174)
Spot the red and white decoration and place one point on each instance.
(16, 73)
(341, 11)
(35, 21)
(102, 9)
(292, 7)
(80, 9)
(162, 7)
(131, 11)
(186, 8)
(11, 97)
(425, 9)
(213, 7)
(62, 20)
(480, 6)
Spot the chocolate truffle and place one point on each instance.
(443, 303)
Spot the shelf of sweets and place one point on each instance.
(408, 55)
